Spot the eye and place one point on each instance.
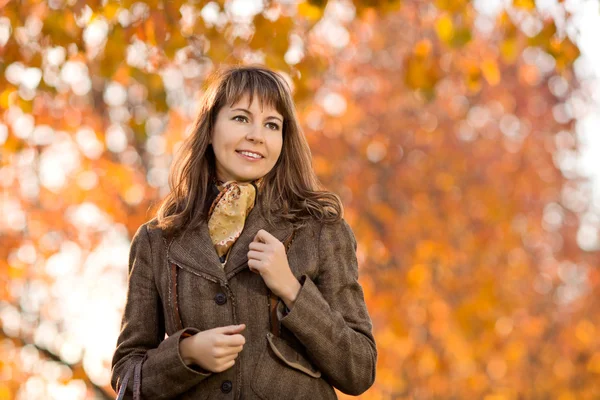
(273, 127)
(240, 116)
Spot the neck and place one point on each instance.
(221, 183)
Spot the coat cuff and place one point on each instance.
(170, 365)
(309, 305)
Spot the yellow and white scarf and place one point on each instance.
(228, 212)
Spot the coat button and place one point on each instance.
(226, 387)
(220, 299)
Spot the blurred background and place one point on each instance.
(462, 136)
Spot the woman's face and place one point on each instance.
(245, 127)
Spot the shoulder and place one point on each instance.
(149, 232)
(148, 242)
(146, 228)
(338, 250)
(151, 224)
(331, 233)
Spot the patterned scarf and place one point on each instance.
(228, 213)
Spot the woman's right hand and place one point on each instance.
(215, 349)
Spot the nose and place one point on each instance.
(254, 134)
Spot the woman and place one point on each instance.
(244, 285)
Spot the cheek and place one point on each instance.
(276, 147)
(221, 144)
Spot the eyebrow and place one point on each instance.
(248, 112)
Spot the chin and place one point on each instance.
(249, 178)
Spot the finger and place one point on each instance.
(237, 340)
(254, 270)
(229, 358)
(265, 237)
(227, 352)
(258, 246)
(233, 340)
(225, 366)
(255, 255)
(254, 265)
(230, 329)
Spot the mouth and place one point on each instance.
(249, 155)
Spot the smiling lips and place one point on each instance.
(250, 156)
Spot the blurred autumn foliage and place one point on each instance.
(447, 131)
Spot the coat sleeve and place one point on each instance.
(163, 374)
(330, 317)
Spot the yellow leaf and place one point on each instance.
(422, 48)
(508, 50)
(565, 53)
(444, 28)
(425, 249)
(323, 167)
(418, 275)
(110, 11)
(422, 71)
(563, 368)
(515, 351)
(310, 11)
(594, 364)
(444, 181)
(428, 362)
(473, 79)
(389, 378)
(415, 74)
(149, 32)
(567, 395)
(5, 392)
(526, 4)
(454, 6)
(391, 6)
(383, 211)
(585, 332)
(6, 99)
(495, 397)
(490, 71)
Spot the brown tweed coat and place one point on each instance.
(325, 340)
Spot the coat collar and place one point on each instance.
(194, 249)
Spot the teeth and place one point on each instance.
(250, 154)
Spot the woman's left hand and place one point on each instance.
(267, 257)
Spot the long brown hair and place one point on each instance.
(291, 189)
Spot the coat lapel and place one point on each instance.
(238, 259)
(194, 249)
